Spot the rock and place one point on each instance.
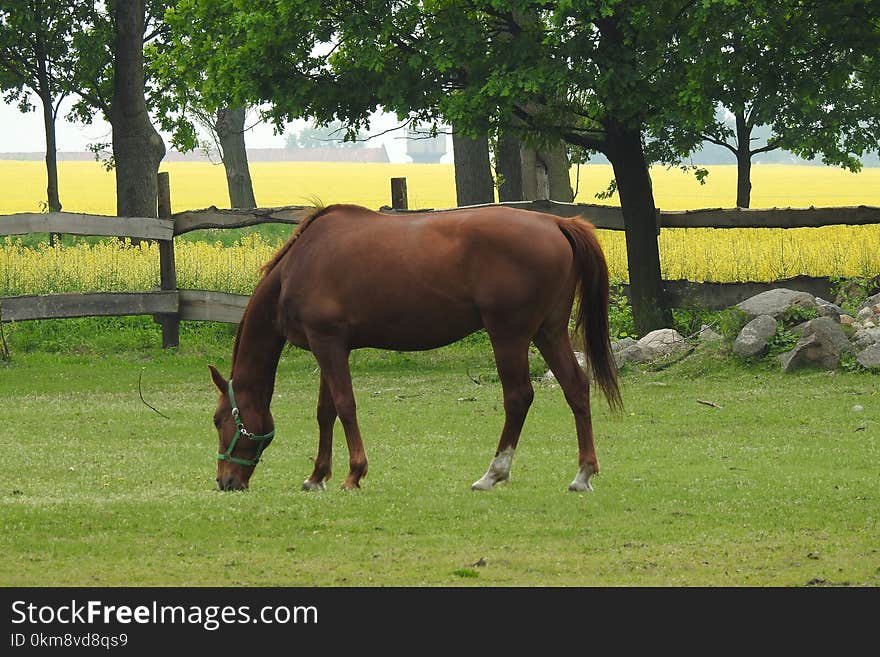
(858, 408)
(754, 336)
(661, 342)
(829, 331)
(706, 334)
(870, 303)
(631, 354)
(811, 351)
(847, 319)
(864, 313)
(618, 349)
(866, 337)
(870, 357)
(652, 346)
(620, 345)
(828, 309)
(821, 345)
(776, 302)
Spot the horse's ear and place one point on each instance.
(221, 383)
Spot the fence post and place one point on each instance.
(398, 194)
(167, 270)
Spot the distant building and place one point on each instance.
(328, 154)
(423, 148)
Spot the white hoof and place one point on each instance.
(499, 470)
(581, 483)
(486, 482)
(308, 484)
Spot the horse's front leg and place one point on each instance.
(332, 356)
(326, 419)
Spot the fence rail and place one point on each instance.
(147, 228)
(88, 304)
(609, 217)
(212, 217)
(170, 305)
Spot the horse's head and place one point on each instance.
(240, 449)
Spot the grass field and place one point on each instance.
(778, 487)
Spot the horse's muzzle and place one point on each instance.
(231, 483)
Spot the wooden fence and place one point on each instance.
(169, 305)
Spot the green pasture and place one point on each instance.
(780, 486)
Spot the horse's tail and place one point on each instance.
(592, 310)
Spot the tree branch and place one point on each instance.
(771, 146)
(718, 142)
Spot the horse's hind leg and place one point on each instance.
(512, 360)
(332, 357)
(326, 419)
(555, 347)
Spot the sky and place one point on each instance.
(23, 133)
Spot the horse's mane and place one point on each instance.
(271, 264)
(305, 223)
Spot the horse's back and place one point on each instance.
(447, 238)
(421, 280)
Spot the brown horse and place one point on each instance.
(350, 277)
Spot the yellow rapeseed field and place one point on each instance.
(694, 254)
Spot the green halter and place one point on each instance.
(262, 441)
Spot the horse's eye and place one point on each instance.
(217, 422)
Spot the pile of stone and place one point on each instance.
(823, 340)
(822, 343)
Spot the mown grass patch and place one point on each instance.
(779, 486)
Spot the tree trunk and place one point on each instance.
(624, 150)
(53, 201)
(137, 147)
(230, 131)
(546, 174)
(558, 173)
(529, 159)
(509, 166)
(473, 173)
(743, 162)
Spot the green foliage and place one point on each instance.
(731, 322)
(798, 314)
(849, 363)
(750, 59)
(782, 341)
(37, 53)
(851, 292)
(608, 192)
(620, 317)
(689, 321)
(38, 56)
(97, 335)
